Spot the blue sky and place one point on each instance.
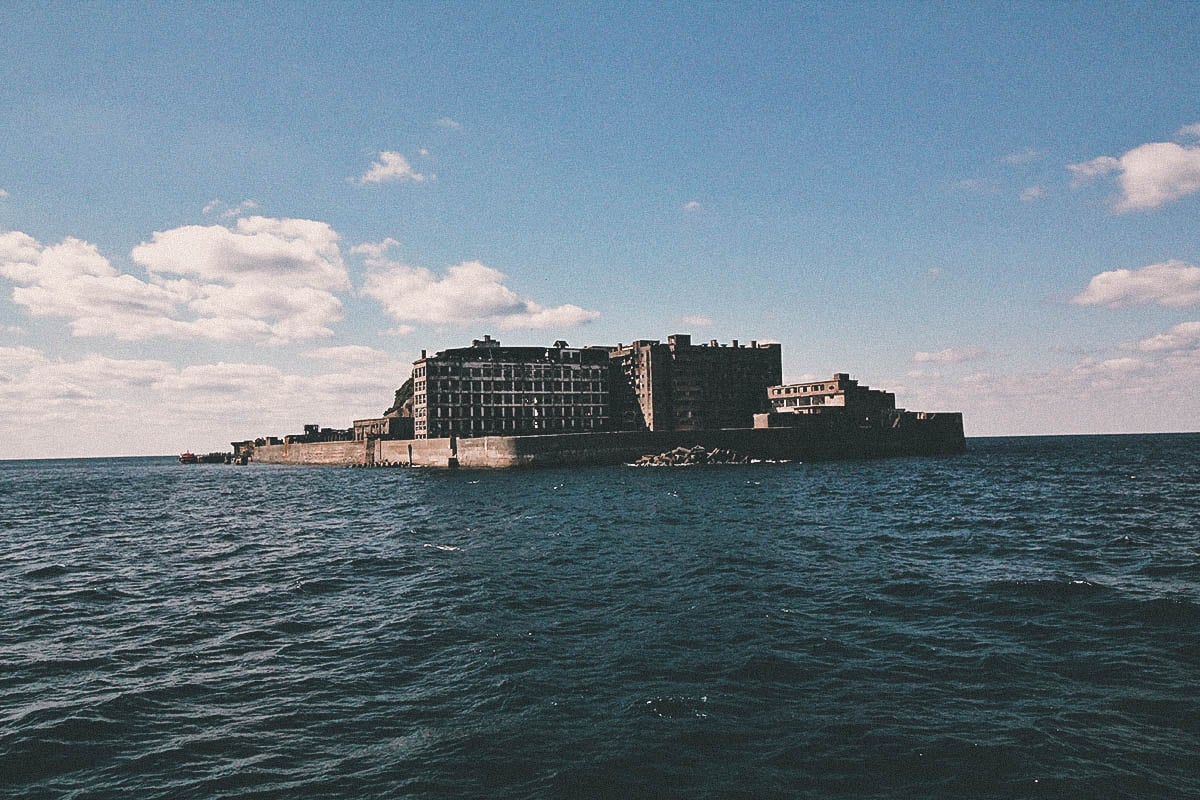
(225, 220)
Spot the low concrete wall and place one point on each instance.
(325, 453)
(810, 438)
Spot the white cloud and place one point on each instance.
(468, 292)
(1189, 131)
(1025, 156)
(1149, 175)
(1031, 193)
(695, 320)
(349, 354)
(3, 194)
(1181, 337)
(951, 355)
(374, 249)
(392, 166)
(692, 205)
(130, 406)
(229, 213)
(976, 185)
(265, 279)
(1147, 391)
(20, 357)
(446, 122)
(1171, 283)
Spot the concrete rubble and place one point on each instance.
(693, 456)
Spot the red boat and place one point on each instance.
(188, 458)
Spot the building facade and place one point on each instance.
(679, 386)
(490, 390)
(391, 426)
(838, 395)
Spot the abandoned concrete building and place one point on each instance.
(490, 390)
(839, 394)
(679, 386)
(390, 426)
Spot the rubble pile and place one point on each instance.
(690, 456)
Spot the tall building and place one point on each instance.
(679, 386)
(490, 390)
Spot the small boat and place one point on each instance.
(188, 458)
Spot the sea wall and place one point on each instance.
(341, 454)
(807, 439)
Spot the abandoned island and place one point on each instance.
(489, 405)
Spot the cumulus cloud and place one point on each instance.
(1031, 193)
(1149, 175)
(392, 166)
(1182, 337)
(265, 279)
(3, 194)
(446, 122)
(1171, 283)
(149, 406)
(692, 205)
(374, 249)
(951, 355)
(468, 292)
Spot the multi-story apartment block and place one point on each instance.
(489, 390)
(679, 386)
(838, 395)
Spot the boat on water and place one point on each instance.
(211, 458)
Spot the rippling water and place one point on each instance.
(1020, 621)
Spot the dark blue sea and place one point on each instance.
(1020, 621)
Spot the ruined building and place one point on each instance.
(490, 390)
(679, 386)
(837, 395)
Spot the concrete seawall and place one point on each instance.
(810, 439)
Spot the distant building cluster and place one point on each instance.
(491, 390)
(488, 389)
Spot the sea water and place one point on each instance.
(1019, 621)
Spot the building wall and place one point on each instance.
(807, 437)
(487, 389)
(383, 428)
(679, 386)
(839, 394)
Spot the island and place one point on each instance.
(494, 406)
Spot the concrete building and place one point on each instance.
(391, 426)
(679, 386)
(840, 394)
(490, 390)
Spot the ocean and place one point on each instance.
(1022, 620)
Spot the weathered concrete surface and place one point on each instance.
(327, 453)
(809, 440)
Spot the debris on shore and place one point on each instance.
(694, 456)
